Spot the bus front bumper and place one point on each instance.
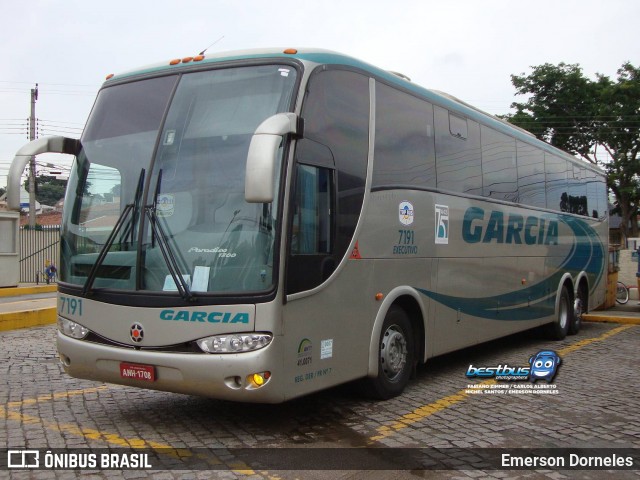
(225, 377)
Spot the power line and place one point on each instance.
(54, 84)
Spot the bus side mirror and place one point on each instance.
(263, 156)
(42, 145)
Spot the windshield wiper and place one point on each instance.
(128, 209)
(169, 258)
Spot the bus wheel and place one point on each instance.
(559, 329)
(579, 308)
(395, 356)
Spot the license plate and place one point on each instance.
(146, 373)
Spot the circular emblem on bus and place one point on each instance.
(136, 332)
(406, 213)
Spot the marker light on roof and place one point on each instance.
(290, 51)
(110, 76)
(175, 61)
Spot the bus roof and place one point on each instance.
(321, 56)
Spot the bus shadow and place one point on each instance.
(332, 417)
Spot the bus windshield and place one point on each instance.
(157, 192)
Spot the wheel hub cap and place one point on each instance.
(393, 352)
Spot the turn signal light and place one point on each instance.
(257, 380)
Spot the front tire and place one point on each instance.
(395, 356)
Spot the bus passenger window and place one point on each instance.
(458, 126)
(458, 153)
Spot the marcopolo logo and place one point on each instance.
(136, 332)
(542, 366)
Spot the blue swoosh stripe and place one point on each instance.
(536, 301)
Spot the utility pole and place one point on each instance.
(32, 162)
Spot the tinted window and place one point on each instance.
(458, 160)
(129, 109)
(458, 126)
(603, 200)
(405, 151)
(577, 189)
(499, 172)
(596, 194)
(531, 176)
(311, 233)
(557, 191)
(336, 116)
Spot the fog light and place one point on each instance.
(257, 380)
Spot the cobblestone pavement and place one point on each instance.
(596, 405)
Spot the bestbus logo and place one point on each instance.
(476, 227)
(542, 366)
(500, 372)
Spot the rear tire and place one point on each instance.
(395, 356)
(580, 307)
(559, 329)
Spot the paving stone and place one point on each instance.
(597, 405)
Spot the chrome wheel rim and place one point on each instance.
(393, 352)
(563, 314)
(577, 309)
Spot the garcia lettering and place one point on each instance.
(516, 229)
(211, 317)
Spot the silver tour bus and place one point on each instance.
(258, 225)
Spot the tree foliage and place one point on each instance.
(49, 189)
(585, 117)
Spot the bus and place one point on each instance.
(258, 225)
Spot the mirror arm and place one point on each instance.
(35, 147)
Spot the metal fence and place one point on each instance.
(38, 248)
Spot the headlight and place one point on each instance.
(72, 329)
(235, 343)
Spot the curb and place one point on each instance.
(591, 317)
(27, 318)
(30, 290)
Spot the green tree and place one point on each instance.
(49, 189)
(584, 117)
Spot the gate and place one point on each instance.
(37, 248)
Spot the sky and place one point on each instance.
(467, 48)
